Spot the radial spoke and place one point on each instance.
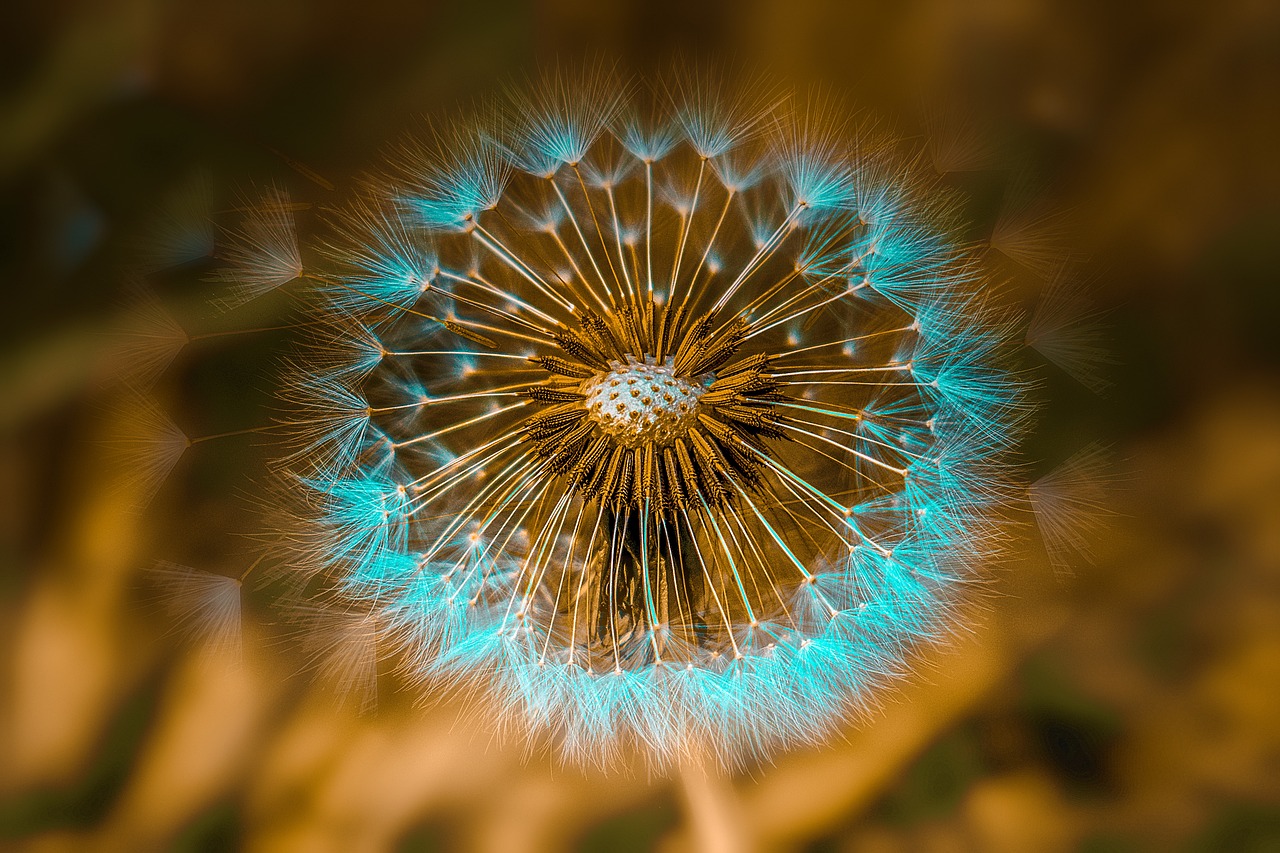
(494, 245)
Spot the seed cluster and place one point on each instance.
(638, 403)
(648, 410)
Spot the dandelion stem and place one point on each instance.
(711, 241)
(231, 434)
(617, 238)
(512, 260)
(648, 223)
(583, 239)
(761, 254)
(714, 810)
(252, 566)
(686, 220)
(595, 220)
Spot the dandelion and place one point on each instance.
(147, 448)
(149, 339)
(206, 607)
(666, 419)
(263, 253)
(181, 232)
(1072, 506)
(1029, 233)
(1071, 332)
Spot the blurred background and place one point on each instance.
(1126, 702)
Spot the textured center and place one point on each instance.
(640, 403)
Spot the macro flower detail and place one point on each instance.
(667, 420)
(628, 434)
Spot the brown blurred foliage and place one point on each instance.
(1131, 706)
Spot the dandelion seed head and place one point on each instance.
(697, 430)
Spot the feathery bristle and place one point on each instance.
(182, 231)
(146, 449)
(1068, 330)
(262, 253)
(205, 607)
(1071, 506)
(150, 339)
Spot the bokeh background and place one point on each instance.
(1130, 704)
